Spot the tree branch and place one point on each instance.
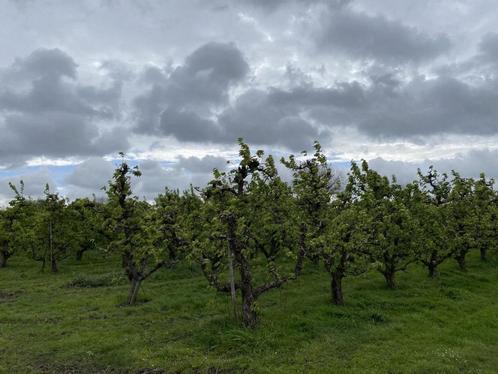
(214, 282)
(277, 283)
(159, 265)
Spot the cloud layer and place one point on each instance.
(46, 112)
(175, 83)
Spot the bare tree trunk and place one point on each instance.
(249, 315)
(79, 254)
(53, 265)
(390, 277)
(3, 259)
(299, 262)
(302, 251)
(44, 261)
(336, 287)
(484, 254)
(133, 294)
(127, 264)
(232, 284)
(460, 258)
(315, 259)
(388, 270)
(432, 269)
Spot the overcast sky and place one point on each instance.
(174, 83)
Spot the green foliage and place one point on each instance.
(16, 225)
(462, 216)
(393, 231)
(247, 216)
(485, 213)
(146, 237)
(431, 207)
(50, 229)
(88, 231)
(314, 184)
(250, 232)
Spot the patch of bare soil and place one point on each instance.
(7, 296)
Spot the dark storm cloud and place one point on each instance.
(260, 120)
(45, 63)
(254, 116)
(206, 75)
(200, 83)
(187, 125)
(363, 36)
(54, 134)
(424, 107)
(47, 112)
(488, 47)
(387, 106)
(186, 104)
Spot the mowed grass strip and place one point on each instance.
(75, 322)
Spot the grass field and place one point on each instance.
(58, 324)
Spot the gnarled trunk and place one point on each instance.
(53, 261)
(53, 265)
(4, 256)
(389, 271)
(390, 277)
(460, 258)
(127, 262)
(336, 287)
(302, 251)
(79, 253)
(249, 315)
(133, 294)
(484, 254)
(432, 269)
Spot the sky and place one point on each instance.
(173, 84)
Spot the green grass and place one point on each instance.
(74, 322)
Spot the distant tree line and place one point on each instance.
(250, 232)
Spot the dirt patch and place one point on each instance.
(7, 296)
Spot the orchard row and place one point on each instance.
(251, 232)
